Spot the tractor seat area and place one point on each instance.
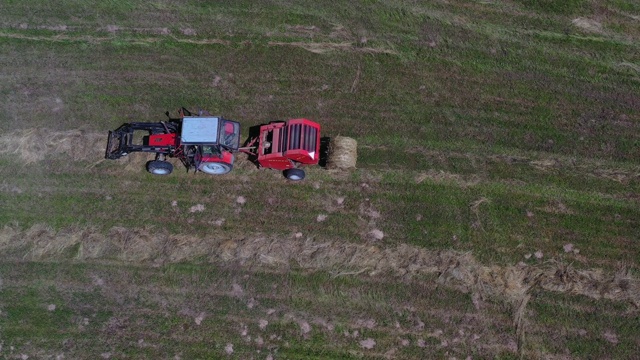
(231, 136)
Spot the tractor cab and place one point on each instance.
(209, 143)
(210, 131)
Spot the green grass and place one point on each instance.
(144, 312)
(507, 105)
(570, 7)
(595, 331)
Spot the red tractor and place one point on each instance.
(209, 143)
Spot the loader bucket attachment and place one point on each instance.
(115, 145)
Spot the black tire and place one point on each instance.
(159, 167)
(294, 174)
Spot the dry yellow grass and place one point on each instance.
(588, 25)
(33, 145)
(455, 269)
(323, 47)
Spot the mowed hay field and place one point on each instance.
(494, 211)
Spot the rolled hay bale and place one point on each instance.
(343, 153)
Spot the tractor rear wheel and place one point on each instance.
(294, 174)
(215, 168)
(159, 167)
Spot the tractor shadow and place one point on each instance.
(325, 141)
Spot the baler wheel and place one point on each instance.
(159, 167)
(294, 174)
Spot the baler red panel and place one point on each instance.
(303, 156)
(283, 143)
(275, 162)
(270, 156)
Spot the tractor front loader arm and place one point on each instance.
(120, 142)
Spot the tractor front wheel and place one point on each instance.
(159, 167)
(294, 174)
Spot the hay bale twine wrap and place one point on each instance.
(343, 153)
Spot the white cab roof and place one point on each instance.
(199, 130)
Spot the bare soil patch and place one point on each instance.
(447, 177)
(588, 25)
(323, 47)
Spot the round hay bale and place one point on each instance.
(343, 153)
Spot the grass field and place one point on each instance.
(494, 211)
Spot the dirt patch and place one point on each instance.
(545, 164)
(557, 207)
(306, 31)
(632, 66)
(10, 188)
(340, 32)
(619, 176)
(189, 32)
(157, 31)
(324, 47)
(588, 25)
(163, 33)
(447, 177)
(113, 29)
(589, 168)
